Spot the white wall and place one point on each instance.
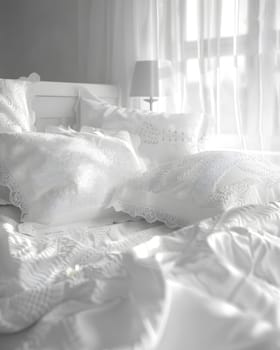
(40, 36)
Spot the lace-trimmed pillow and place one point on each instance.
(15, 106)
(162, 137)
(56, 179)
(199, 186)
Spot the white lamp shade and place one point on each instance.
(145, 79)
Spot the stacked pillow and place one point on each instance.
(142, 163)
(160, 137)
(63, 175)
(69, 176)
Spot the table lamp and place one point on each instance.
(145, 81)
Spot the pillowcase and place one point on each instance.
(199, 186)
(63, 178)
(15, 106)
(161, 137)
(16, 114)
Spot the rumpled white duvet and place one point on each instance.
(214, 285)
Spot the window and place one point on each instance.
(223, 46)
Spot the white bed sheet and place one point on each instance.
(77, 287)
(220, 290)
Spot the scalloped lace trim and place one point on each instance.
(151, 215)
(15, 197)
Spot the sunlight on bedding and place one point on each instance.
(8, 227)
(146, 249)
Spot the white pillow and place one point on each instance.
(162, 137)
(56, 179)
(197, 187)
(15, 106)
(16, 114)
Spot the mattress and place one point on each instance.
(212, 285)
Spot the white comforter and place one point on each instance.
(214, 285)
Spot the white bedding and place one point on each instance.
(64, 177)
(117, 283)
(214, 285)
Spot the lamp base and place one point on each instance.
(150, 100)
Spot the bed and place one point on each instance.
(180, 255)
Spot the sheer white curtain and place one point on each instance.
(112, 35)
(237, 43)
(220, 58)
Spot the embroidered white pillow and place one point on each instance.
(162, 137)
(15, 106)
(56, 179)
(197, 187)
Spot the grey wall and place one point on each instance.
(40, 36)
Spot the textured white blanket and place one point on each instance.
(45, 279)
(81, 289)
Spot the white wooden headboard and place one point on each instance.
(54, 102)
